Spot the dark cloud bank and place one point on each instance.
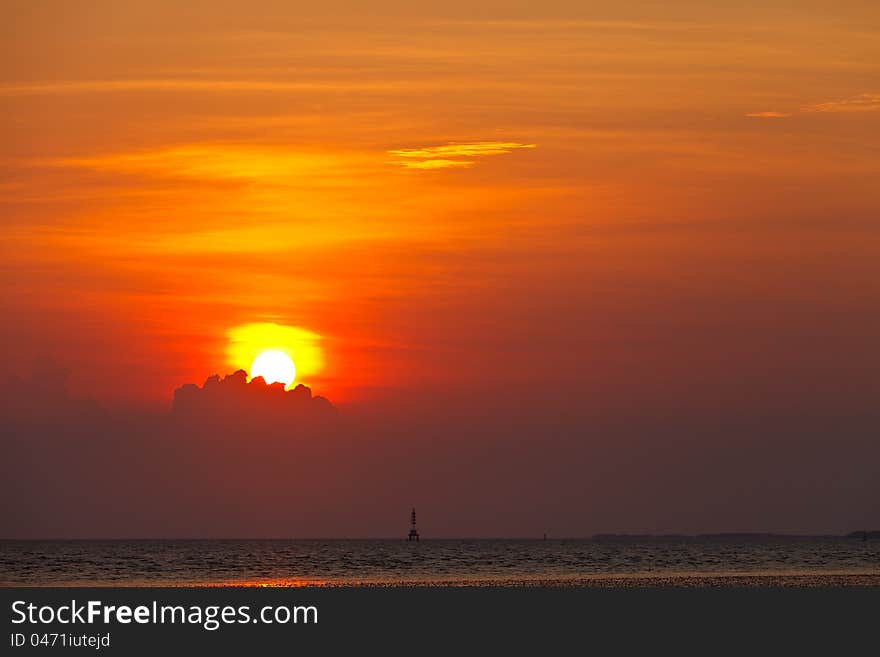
(233, 396)
(237, 459)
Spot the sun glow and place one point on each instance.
(270, 350)
(275, 367)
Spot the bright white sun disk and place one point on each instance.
(274, 366)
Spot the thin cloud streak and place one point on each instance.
(467, 149)
(768, 115)
(861, 103)
(186, 85)
(451, 155)
(223, 162)
(435, 164)
(867, 102)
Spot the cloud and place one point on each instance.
(452, 155)
(869, 102)
(177, 84)
(229, 458)
(234, 397)
(768, 115)
(470, 149)
(436, 164)
(44, 396)
(860, 103)
(220, 162)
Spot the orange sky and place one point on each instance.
(622, 203)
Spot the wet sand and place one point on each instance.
(735, 580)
(678, 580)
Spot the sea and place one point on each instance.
(618, 561)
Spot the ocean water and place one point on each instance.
(694, 561)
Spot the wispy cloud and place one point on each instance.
(452, 155)
(869, 102)
(466, 149)
(859, 103)
(768, 115)
(222, 162)
(177, 84)
(436, 164)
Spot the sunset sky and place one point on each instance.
(570, 215)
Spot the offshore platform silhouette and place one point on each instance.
(413, 532)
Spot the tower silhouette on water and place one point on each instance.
(413, 532)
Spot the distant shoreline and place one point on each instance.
(743, 536)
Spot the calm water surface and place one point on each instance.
(292, 562)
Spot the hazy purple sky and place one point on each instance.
(562, 267)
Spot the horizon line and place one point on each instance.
(596, 536)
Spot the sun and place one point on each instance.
(274, 366)
(248, 342)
